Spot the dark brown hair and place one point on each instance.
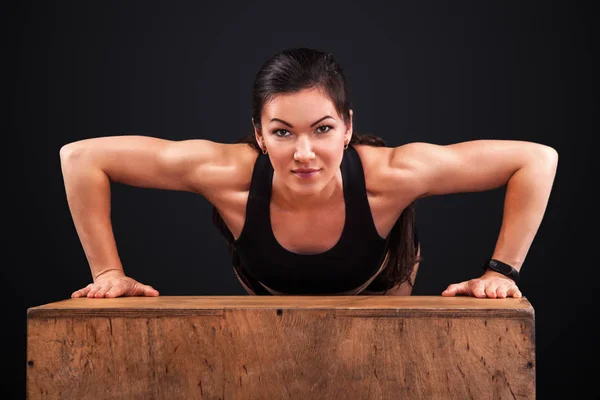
(293, 70)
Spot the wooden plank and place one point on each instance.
(276, 347)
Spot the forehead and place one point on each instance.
(306, 105)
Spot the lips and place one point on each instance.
(305, 172)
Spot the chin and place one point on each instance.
(307, 188)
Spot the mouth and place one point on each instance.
(305, 172)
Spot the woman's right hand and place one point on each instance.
(115, 284)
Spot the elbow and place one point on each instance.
(66, 152)
(74, 157)
(71, 152)
(548, 157)
(540, 157)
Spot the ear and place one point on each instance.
(257, 135)
(348, 134)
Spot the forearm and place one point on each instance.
(526, 199)
(88, 195)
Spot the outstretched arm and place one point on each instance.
(88, 167)
(527, 169)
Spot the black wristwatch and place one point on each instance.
(503, 268)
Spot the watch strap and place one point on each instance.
(502, 268)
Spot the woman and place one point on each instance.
(306, 205)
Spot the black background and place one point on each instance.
(438, 72)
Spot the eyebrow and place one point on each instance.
(290, 125)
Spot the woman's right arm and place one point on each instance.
(88, 166)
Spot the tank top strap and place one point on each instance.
(355, 194)
(259, 197)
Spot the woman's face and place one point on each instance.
(304, 138)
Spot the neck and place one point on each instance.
(285, 198)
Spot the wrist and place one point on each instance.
(502, 268)
(495, 274)
(109, 272)
(514, 262)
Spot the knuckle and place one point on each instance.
(475, 283)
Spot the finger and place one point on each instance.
(81, 292)
(150, 291)
(140, 289)
(514, 292)
(93, 289)
(501, 292)
(113, 292)
(478, 290)
(101, 292)
(455, 289)
(490, 291)
(450, 290)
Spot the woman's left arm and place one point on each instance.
(526, 168)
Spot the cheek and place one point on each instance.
(281, 158)
(332, 152)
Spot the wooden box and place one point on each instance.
(282, 347)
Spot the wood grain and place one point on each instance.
(282, 347)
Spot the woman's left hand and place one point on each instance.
(491, 284)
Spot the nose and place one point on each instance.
(304, 152)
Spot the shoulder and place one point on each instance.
(218, 166)
(241, 157)
(389, 170)
(239, 160)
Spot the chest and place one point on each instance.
(309, 232)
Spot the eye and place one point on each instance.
(280, 132)
(320, 128)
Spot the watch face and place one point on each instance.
(499, 267)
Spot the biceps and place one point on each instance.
(468, 166)
(140, 161)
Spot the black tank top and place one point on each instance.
(355, 258)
